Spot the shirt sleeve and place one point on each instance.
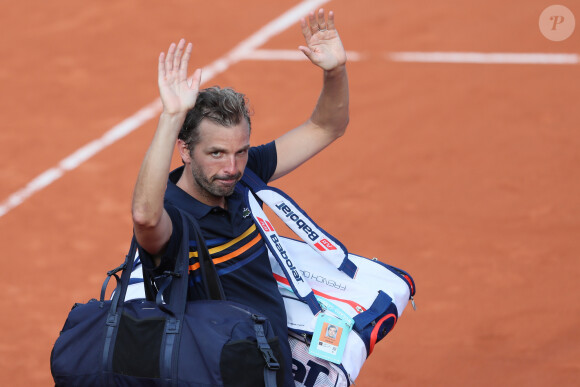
(262, 160)
(168, 256)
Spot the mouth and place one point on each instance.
(228, 180)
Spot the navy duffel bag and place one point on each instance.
(179, 343)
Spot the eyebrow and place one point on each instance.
(220, 149)
(215, 149)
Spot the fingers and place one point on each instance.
(161, 67)
(176, 60)
(321, 21)
(317, 22)
(305, 29)
(178, 53)
(307, 51)
(195, 80)
(169, 58)
(313, 23)
(330, 24)
(185, 61)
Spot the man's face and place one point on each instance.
(332, 332)
(219, 159)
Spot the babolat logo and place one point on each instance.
(284, 256)
(302, 225)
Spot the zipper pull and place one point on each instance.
(306, 340)
(413, 303)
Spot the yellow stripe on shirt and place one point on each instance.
(231, 255)
(217, 249)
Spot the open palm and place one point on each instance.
(324, 47)
(177, 95)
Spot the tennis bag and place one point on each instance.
(318, 275)
(169, 341)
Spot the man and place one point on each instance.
(212, 130)
(331, 331)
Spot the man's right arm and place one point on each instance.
(152, 225)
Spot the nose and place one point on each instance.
(229, 166)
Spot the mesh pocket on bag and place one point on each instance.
(242, 363)
(138, 346)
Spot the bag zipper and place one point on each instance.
(402, 274)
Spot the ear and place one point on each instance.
(184, 151)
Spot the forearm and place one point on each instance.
(332, 109)
(147, 205)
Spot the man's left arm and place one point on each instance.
(330, 116)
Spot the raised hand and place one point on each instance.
(324, 47)
(176, 94)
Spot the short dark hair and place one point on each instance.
(224, 106)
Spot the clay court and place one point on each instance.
(465, 173)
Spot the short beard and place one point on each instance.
(209, 185)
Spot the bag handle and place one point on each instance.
(122, 284)
(177, 282)
(210, 278)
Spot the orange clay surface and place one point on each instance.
(465, 175)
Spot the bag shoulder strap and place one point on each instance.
(300, 223)
(174, 284)
(209, 275)
(276, 247)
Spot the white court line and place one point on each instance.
(483, 58)
(154, 108)
(431, 57)
(290, 55)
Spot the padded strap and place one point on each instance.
(210, 278)
(298, 221)
(297, 282)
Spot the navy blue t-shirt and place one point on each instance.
(235, 245)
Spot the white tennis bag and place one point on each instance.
(317, 276)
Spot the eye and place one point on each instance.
(216, 154)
